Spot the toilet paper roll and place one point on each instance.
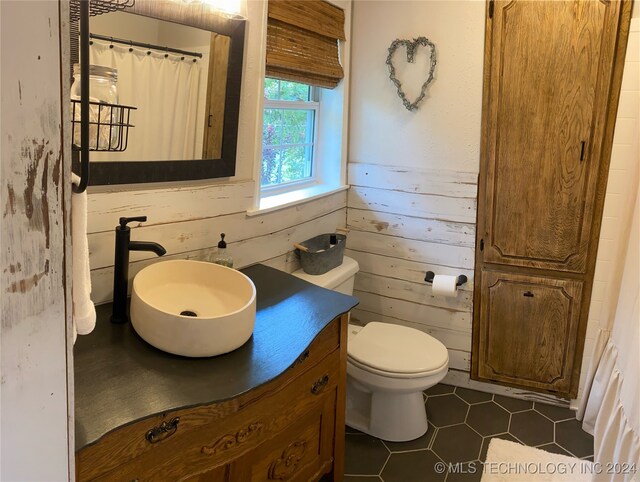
(445, 285)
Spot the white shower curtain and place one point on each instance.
(165, 91)
(612, 411)
(610, 402)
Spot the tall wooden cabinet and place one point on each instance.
(551, 86)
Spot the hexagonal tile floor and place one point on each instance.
(462, 422)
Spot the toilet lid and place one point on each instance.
(397, 349)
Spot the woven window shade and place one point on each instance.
(302, 42)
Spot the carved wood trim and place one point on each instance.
(283, 467)
(231, 440)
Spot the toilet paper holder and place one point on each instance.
(462, 279)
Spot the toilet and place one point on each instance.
(388, 368)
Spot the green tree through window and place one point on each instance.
(288, 132)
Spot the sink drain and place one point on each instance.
(188, 313)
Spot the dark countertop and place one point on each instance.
(120, 379)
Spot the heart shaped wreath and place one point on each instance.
(411, 51)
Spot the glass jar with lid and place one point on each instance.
(103, 89)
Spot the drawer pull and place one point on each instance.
(319, 385)
(162, 431)
(528, 294)
(303, 357)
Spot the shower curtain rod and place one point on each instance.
(133, 43)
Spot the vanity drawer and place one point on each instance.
(214, 435)
(326, 342)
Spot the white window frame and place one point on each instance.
(331, 135)
(313, 105)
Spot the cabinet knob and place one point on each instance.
(162, 431)
(528, 294)
(319, 385)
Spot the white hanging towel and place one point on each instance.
(84, 312)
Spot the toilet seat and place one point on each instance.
(396, 351)
(387, 374)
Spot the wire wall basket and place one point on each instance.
(108, 126)
(98, 7)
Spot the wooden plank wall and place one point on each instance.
(405, 222)
(35, 186)
(188, 221)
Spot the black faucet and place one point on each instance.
(121, 266)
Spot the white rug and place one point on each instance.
(510, 461)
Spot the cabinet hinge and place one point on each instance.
(491, 8)
(482, 245)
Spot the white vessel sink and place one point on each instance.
(192, 308)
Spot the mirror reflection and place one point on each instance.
(176, 77)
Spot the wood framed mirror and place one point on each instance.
(209, 47)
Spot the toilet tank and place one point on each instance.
(338, 279)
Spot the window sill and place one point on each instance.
(284, 200)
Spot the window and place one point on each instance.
(304, 118)
(288, 133)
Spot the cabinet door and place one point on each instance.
(550, 76)
(528, 330)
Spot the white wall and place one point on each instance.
(35, 440)
(619, 200)
(121, 24)
(444, 133)
(250, 122)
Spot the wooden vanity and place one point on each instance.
(271, 410)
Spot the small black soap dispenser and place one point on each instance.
(220, 256)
